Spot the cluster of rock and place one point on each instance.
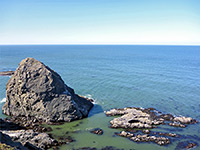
(38, 91)
(139, 118)
(132, 117)
(145, 138)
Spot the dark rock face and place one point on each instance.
(5, 139)
(36, 90)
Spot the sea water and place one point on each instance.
(116, 76)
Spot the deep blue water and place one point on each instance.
(164, 77)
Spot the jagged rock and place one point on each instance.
(145, 138)
(6, 73)
(29, 138)
(36, 90)
(25, 123)
(133, 118)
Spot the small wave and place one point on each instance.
(3, 100)
(90, 96)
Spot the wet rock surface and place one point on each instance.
(97, 131)
(132, 117)
(160, 140)
(36, 90)
(143, 120)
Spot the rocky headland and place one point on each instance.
(36, 90)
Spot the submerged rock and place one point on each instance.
(191, 145)
(97, 131)
(186, 145)
(36, 90)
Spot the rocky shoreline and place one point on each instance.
(37, 95)
(145, 119)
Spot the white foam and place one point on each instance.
(3, 100)
(90, 96)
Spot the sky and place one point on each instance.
(159, 22)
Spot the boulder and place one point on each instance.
(38, 91)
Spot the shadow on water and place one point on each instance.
(96, 109)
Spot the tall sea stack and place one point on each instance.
(38, 91)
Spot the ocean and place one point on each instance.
(116, 76)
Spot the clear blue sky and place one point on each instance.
(100, 22)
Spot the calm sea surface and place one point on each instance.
(164, 77)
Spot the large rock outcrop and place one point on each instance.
(36, 90)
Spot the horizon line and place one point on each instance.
(147, 44)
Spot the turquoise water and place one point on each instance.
(164, 77)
